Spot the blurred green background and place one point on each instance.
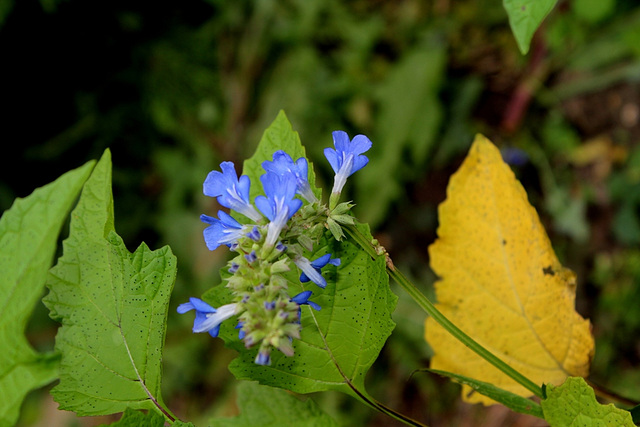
(175, 88)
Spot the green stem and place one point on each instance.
(427, 306)
(375, 405)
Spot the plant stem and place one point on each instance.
(374, 404)
(428, 307)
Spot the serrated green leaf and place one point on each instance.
(510, 400)
(28, 236)
(525, 16)
(264, 406)
(112, 305)
(278, 136)
(574, 404)
(339, 343)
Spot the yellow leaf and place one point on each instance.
(501, 283)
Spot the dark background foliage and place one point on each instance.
(174, 88)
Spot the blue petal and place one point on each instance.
(217, 183)
(228, 220)
(302, 297)
(215, 331)
(183, 308)
(309, 272)
(281, 164)
(241, 332)
(201, 318)
(207, 219)
(264, 206)
(263, 359)
(321, 262)
(244, 184)
(294, 205)
(221, 232)
(332, 157)
(278, 186)
(340, 140)
(359, 162)
(201, 305)
(303, 168)
(313, 305)
(213, 236)
(359, 144)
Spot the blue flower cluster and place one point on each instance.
(270, 237)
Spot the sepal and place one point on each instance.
(335, 229)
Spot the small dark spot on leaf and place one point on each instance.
(548, 271)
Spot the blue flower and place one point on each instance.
(279, 205)
(234, 268)
(283, 164)
(231, 192)
(254, 234)
(208, 319)
(303, 299)
(347, 158)
(251, 257)
(263, 358)
(311, 269)
(223, 231)
(241, 332)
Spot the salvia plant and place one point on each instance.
(305, 298)
(271, 239)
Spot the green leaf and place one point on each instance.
(510, 400)
(278, 136)
(28, 240)
(265, 406)
(112, 305)
(574, 404)
(525, 16)
(339, 343)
